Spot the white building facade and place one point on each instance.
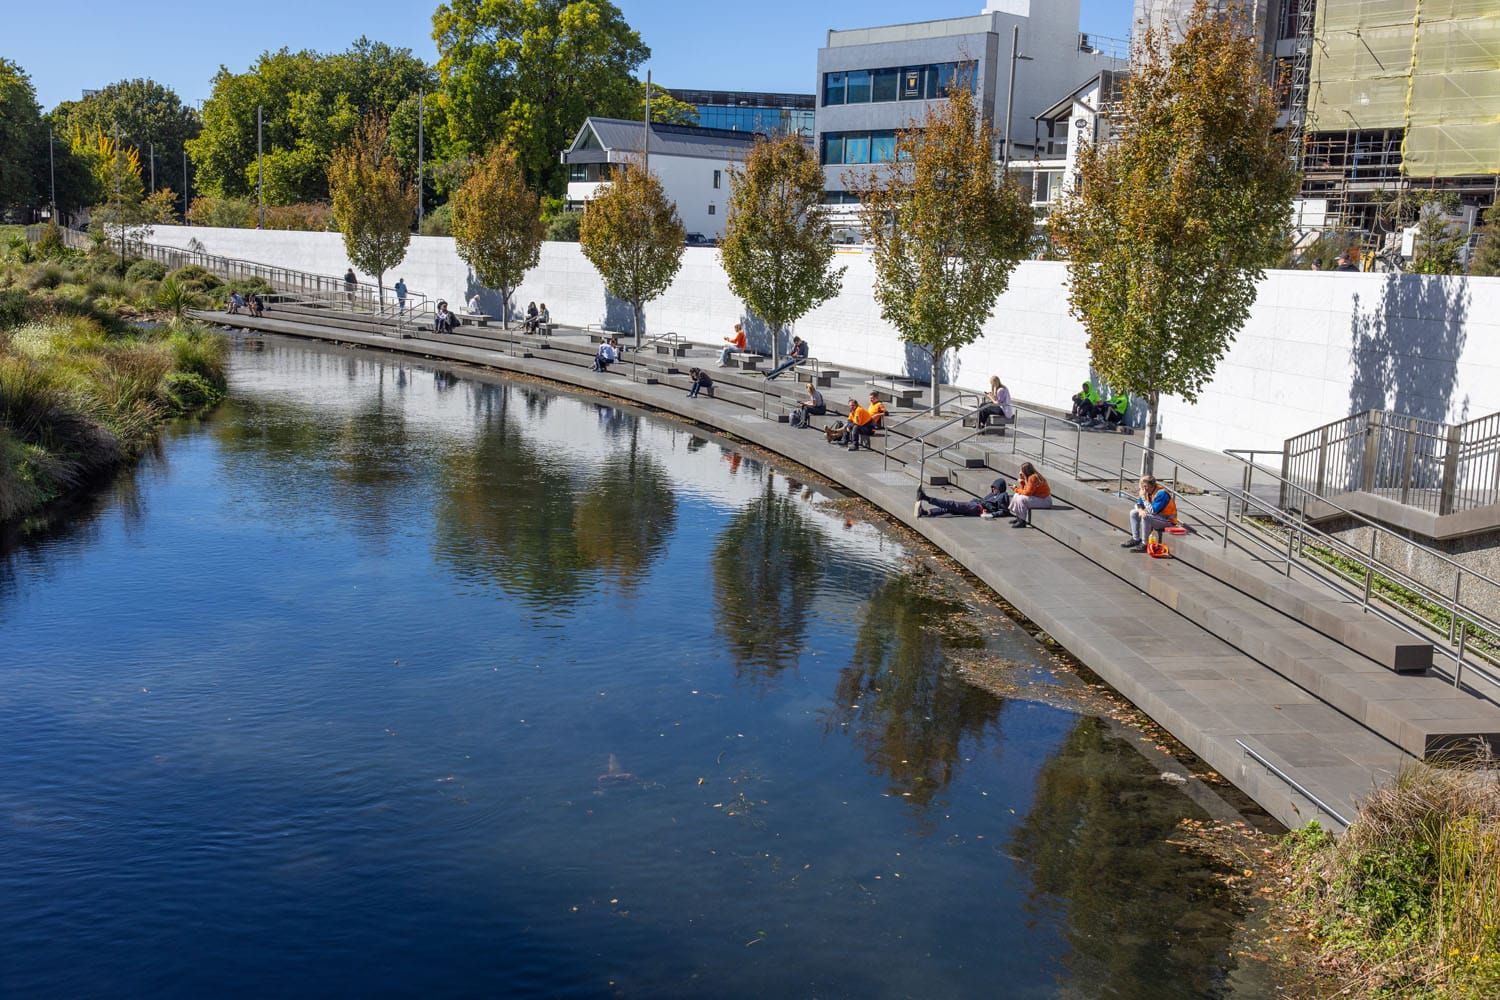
(693, 165)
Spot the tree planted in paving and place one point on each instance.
(497, 223)
(1173, 223)
(528, 72)
(374, 201)
(778, 245)
(631, 234)
(946, 228)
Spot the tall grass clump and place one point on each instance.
(1407, 903)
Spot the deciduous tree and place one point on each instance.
(146, 113)
(1486, 259)
(778, 245)
(21, 136)
(1171, 225)
(374, 202)
(528, 72)
(947, 229)
(497, 223)
(631, 233)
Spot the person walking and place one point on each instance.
(734, 344)
(401, 295)
(997, 405)
(1031, 493)
(350, 284)
(1155, 511)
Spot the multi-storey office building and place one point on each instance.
(873, 82)
(752, 111)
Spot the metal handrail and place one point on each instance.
(1263, 762)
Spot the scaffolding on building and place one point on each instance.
(1403, 95)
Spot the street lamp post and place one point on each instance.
(52, 175)
(1010, 92)
(260, 174)
(185, 220)
(421, 108)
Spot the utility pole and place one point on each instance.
(152, 147)
(52, 174)
(1010, 92)
(421, 136)
(185, 220)
(646, 140)
(260, 176)
(119, 206)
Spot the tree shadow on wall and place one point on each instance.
(919, 364)
(1404, 349)
(490, 301)
(758, 334)
(617, 316)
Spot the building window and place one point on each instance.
(833, 88)
(859, 87)
(710, 209)
(859, 147)
(833, 147)
(882, 147)
(716, 180)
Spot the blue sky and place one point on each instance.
(760, 45)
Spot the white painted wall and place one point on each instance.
(689, 182)
(1318, 344)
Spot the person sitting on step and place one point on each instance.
(444, 321)
(994, 504)
(474, 309)
(735, 345)
(529, 323)
(859, 427)
(996, 405)
(1084, 403)
(236, 303)
(1155, 510)
(812, 406)
(608, 354)
(795, 356)
(1031, 493)
(701, 382)
(256, 305)
(543, 319)
(1111, 412)
(878, 411)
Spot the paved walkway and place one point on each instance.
(1215, 698)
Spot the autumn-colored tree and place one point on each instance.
(374, 201)
(630, 232)
(946, 228)
(778, 245)
(497, 223)
(1171, 225)
(1486, 258)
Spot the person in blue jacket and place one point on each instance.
(1155, 510)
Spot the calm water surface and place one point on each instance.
(385, 682)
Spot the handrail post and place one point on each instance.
(1450, 470)
(1406, 459)
(1370, 570)
(1322, 459)
(1458, 579)
(1077, 447)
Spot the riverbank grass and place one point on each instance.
(1407, 903)
(82, 389)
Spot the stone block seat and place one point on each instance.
(895, 391)
(472, 319)
(746, 361)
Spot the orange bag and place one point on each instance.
(1158, 550)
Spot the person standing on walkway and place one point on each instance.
(1032, 493)
(997, 405)
(350, 284)
(473, 304)
(736, 344)
(1155, 511)
(795, 356)
(401, 295)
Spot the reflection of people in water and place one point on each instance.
(734, 462)
(444, 380)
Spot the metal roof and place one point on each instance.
(620, 136)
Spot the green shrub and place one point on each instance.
(201, 352)
(563, 227)
(247, 285)
(49, 276)
(187, 392)
(13, 308)
(439, 221)
(197, 278)
(146, 270)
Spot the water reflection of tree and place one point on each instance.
(626, 513)
(1143, 918)
(901, 699)
(766, 566)
(508, 513)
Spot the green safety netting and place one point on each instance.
(1431, 67)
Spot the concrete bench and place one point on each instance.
(746, 361)
(474, 319)
(996, 426)
(819, 376)
(896, 393)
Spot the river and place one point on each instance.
(386, 681)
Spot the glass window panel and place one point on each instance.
(882, 147)
(911, 83)
(833, 147)
(833, 88)
(859, 86)
(885, 85)
(857, 149)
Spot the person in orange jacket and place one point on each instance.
(1031, 493)
(859, 426)
(878, 411)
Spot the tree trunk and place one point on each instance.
(505, 308)
(635, 320)
(1148, 456)
(774, 351)
(937, 378)
(380, 284)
